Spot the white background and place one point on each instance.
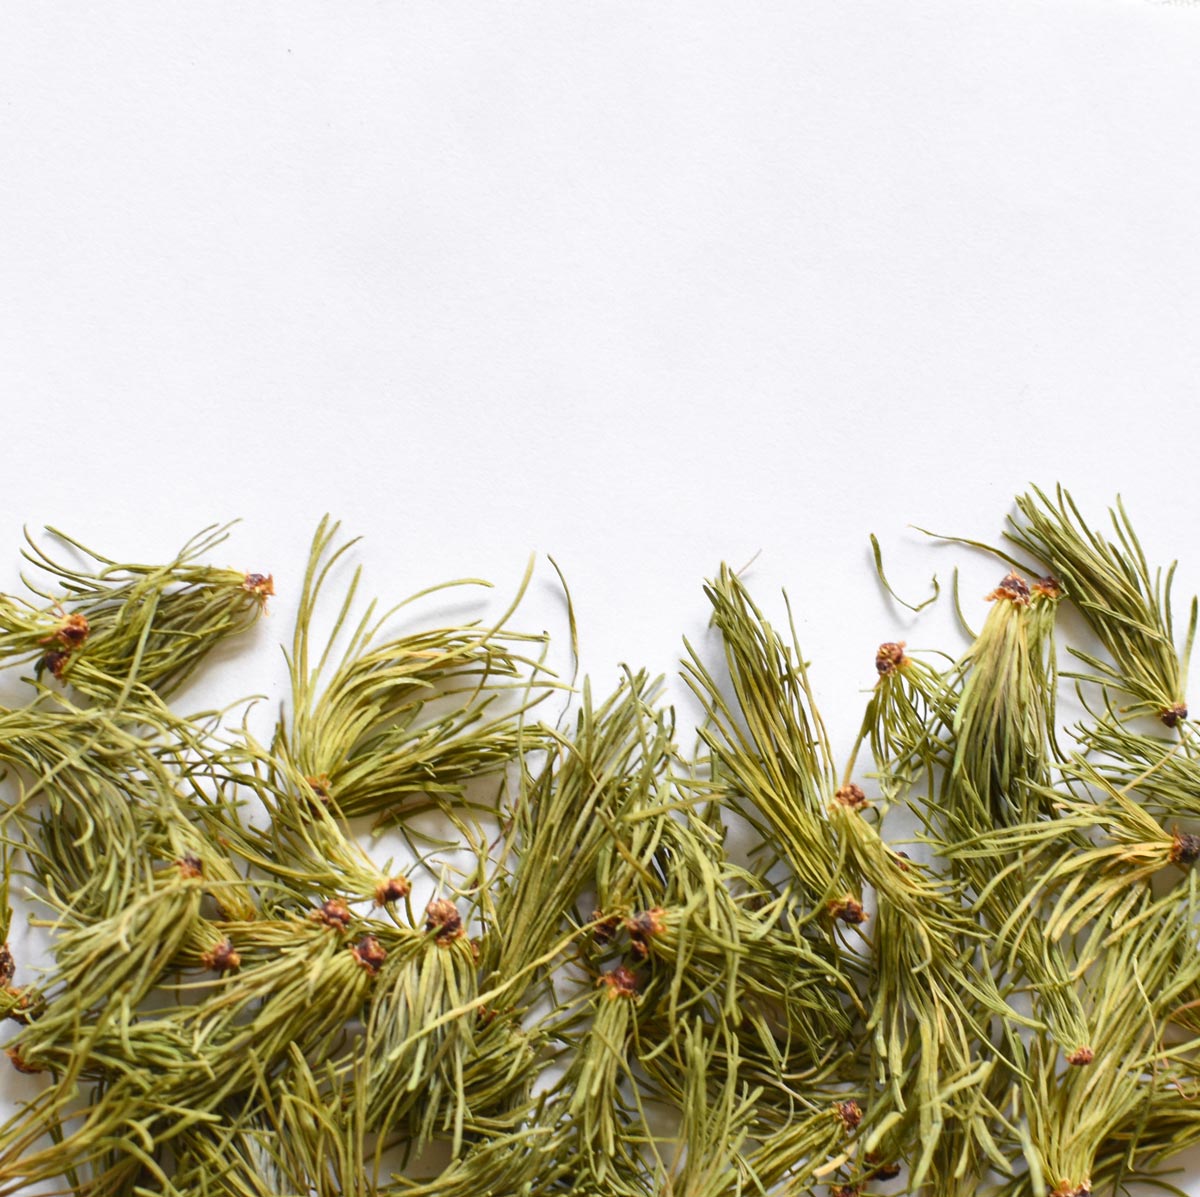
(644, 286)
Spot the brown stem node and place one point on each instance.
(333, 913)
(223, 958)
(1173, 714)
(849, 910)
(889, 657)
(392, 889)
(852, 797)
(1012, 587)
(369, 953)
(621, 982)
(442, 917)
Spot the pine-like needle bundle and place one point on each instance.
(615, 967)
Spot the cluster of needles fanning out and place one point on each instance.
(963, 961)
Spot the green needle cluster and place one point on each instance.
(962, 960)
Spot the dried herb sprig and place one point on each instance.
(813, 1145)
(596, 1108)
(309, 849)
(1003, 765)
(111, 625)
(401, 716)
(770, 746)
(1004, 718)
(717, 1114)
(1126, 603)
(1071, 1114)
(286, 1136)
(535, 1160)
(474, 1066)
(931, 1004)
(908, 722)
(1093, 860)
(721, 946)
(567, 811)
(107, 968)
(1164, 776)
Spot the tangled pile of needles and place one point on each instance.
(578, 986)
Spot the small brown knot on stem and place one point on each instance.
(19, 1062)
(223, 958)
(56, 662)
(1046, 588)
(1012, 587)
(849, 1113)
(849, 910)
(1173, 714)
(845, 1190)
(605, 928)
(1185, 848)
(880, 1170)
(643, 928)
(392, 889)
(262, 586)
(190, 867)
(8, 966)
(333, 913)
(71, 632)
(889, 657)
(621, 982)
(851, 797)
(442, 916)
(369, 953)
(320, 788)
(1080, 1056)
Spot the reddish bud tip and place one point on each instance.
(890, 656)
